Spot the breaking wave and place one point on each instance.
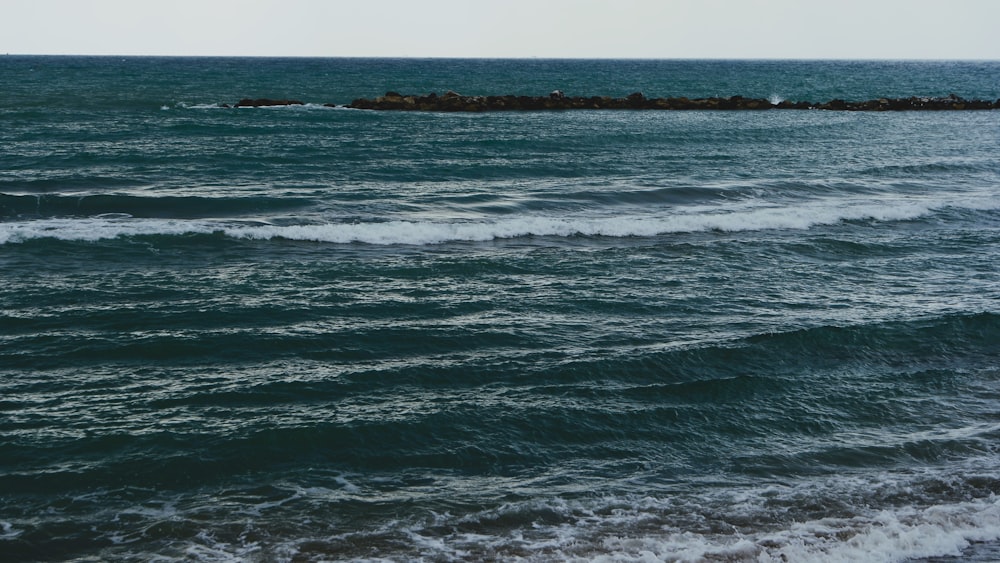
(427, 232)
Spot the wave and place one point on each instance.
(934, 335)
(418, 232)
(66, 184)
(724, 524)
(94, 206)
(604, 534)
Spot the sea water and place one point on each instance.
(311, 333)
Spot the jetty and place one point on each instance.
(557, 101)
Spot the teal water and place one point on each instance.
(313, 334)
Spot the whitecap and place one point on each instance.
(8, 531)
(738, 217)
(606, 534)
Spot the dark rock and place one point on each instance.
(265, 102)
(454, 102)
(636, 100)
(835, 104)
(362, 103)
(758, 104)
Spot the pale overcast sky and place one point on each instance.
(780, 29)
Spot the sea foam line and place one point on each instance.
(415, 232)
(889, 535)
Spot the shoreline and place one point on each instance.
(556, 101)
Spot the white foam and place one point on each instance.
(94, 229)
(185, 105)
(891, 535)
(8, 531)
(733, 218)
(886, 536)
(915, 531)
(626, 225)
(292, 107)
(734, 524)
(210, 549)
(166, 510)
(347, 486)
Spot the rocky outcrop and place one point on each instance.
(557, 100)
(265, 102)
(453, 102)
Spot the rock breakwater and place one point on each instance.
(266, 102)
(454, 102)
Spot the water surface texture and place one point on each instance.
(310, 333)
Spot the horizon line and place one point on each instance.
(520, 57)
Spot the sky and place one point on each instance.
(659, 29)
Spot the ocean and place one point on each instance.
(312, 333)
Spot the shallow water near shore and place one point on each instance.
(313, 334)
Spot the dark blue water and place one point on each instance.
(310, 333)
